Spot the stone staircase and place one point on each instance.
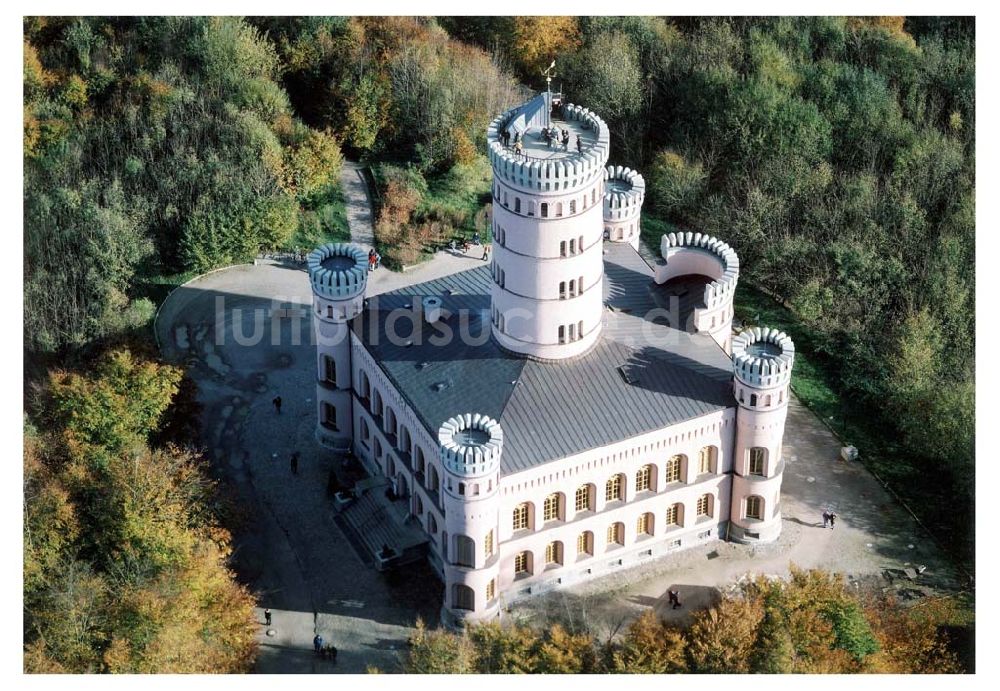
(372, 522)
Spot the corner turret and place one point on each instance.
(762, 368)
(471, 446)
(338, 273)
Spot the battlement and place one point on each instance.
(763, 357)
(552, 173)
(722, 289)
(338, 270)
(471, 444)
(624, 193)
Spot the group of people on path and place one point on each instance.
(466, 246)
(374, 259)
(327, 651)
(829, 519)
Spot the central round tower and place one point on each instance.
(548, 223)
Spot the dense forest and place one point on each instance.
(837, 155)
(813, 624)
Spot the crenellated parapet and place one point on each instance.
(763, 357)
(624, 193)
(471, 445)
(726, 273)
(338, 271)
(575, 169)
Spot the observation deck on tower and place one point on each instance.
(542, 165)
(536, 148)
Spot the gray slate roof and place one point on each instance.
(552, 410)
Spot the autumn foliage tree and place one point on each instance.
(125, 564)
(809, 623)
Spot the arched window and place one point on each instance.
(522, 564)
(432, 480)
(491, 590)
(753, 399)
(562, 248)
(644, 525)
(572, 206)
(706, 459)
(562, 334)
(579, 243)
(551, 509)
(584, 500)
(545, 210)
(613, 490)
(522, 516)
(465, 551)
(579, 329)
(767, 401)
(672, 473)
(758, 456)
(704, 507)
(559, 209)
(562, 290)
(329, 416)
(419, 463)
(418, 505)
(616, 534)
(755, 507)
(432, 525)
(645, 478)
(675, 515)
(517, 205)
(463, 597)
(489, 549)
(572, 246)
(554, 554)
(584, 544)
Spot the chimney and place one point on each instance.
(432, 309)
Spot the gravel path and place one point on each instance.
(359, 206)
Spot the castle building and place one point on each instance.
(574, 406)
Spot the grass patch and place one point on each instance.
(322, 219)
(157, 287)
